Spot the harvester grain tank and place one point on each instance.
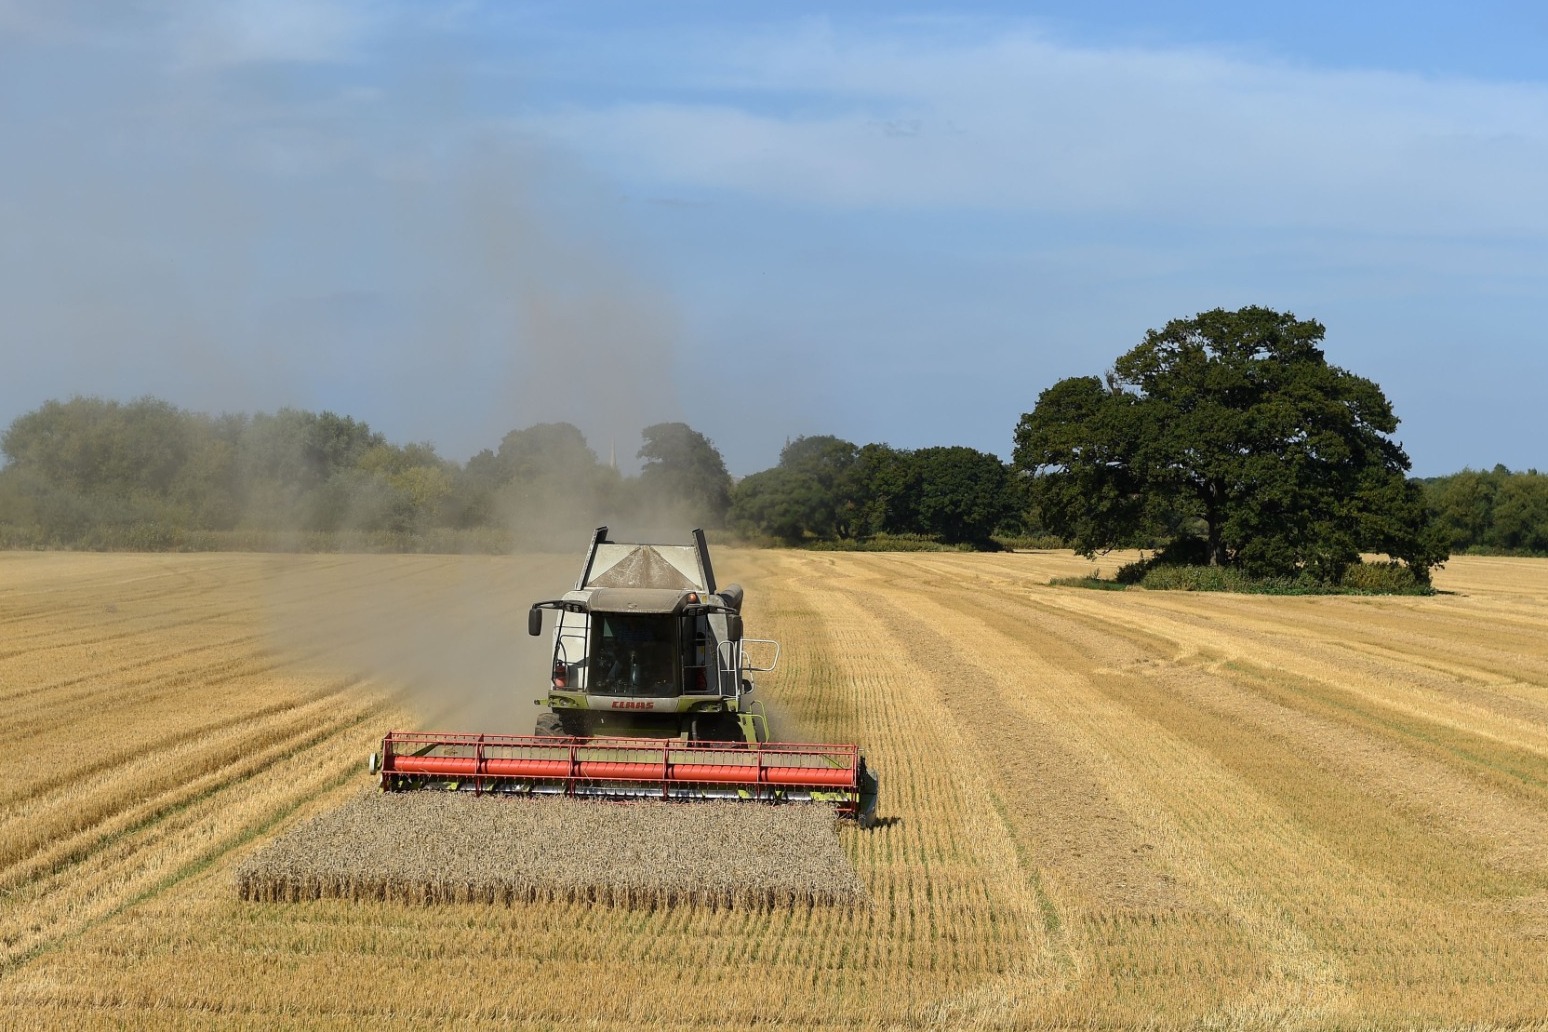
(648, 698)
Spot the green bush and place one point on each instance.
(1092, 582)
(1196, 578)
(1132, 573)
(22, 536)
(1382, 578)
(1029, 542)
(889, 543)
(1388, 578)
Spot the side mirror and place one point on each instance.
(534, 621)
(734, 626)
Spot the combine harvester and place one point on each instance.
(647, 700)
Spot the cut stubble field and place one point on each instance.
(1101, 809)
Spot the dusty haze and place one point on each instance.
(449, 634)
(233, 233)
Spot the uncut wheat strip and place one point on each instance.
(152, 856)
(65, 829)
(453, 848)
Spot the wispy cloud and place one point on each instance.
(197, 35)
(240, 32)
(1021, 122)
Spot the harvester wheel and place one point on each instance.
(550, 726)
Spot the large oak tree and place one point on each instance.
(1236, 423)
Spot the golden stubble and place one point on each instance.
(1100, 809)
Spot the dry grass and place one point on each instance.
(1103, 809)
(452, 848)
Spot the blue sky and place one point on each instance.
(893, 222)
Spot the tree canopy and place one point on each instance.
(684, 471)
(145, 474)
(808, 494)
(1493, 511)
(1232, 436)
(826, 489)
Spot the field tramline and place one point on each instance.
(1099, 808)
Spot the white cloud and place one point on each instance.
(241, 32)
(1022, 123)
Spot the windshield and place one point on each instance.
(634, 655)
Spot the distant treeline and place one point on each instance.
(1497, 512)
(829, 491)
(93, 473)
(89, 473)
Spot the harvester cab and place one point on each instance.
(647, 699)
(647, 644)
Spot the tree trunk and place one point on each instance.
(1212, 517)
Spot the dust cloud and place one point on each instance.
(244, 232)
(580, 340)
(446, 635)
(592, 337)
(254, 228)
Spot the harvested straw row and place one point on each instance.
(430, 848)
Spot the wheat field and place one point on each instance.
(1101, 809)
(449, 847)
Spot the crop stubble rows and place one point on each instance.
(1103, 808)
